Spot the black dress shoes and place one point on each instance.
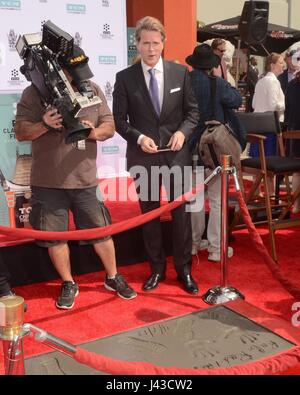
(189, 283)
(153, 281)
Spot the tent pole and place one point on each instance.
(238, 63)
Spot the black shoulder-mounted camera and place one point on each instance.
(44, 60)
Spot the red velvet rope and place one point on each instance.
(264, 254)
(270, 365)
(87, 234)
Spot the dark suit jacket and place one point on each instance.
(134, 113)
(283, 79)
(292, 114)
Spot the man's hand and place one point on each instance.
(89, 124)
(53, 119)
(148, 145)
(176, 141)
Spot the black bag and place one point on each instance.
(218, 138)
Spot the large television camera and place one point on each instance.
(44, 60)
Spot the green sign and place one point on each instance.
(131, 47)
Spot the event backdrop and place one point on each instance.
(99, 26)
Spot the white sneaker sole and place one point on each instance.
(218, 259)
(67, 307)
(121, 296)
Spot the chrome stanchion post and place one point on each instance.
(11, 333)
(223, 293)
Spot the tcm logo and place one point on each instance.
(106, 33)
(76, 8)
(107, 59)
(77, 39)
(105, 3)
(12, 40)
(10, 4)
(111, 149)
(108, 89)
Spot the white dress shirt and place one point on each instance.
(268, 95)
(159, 75)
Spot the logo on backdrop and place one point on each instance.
(12, 40)
(76, 8)
(106, 33)
(110, 150)
(77, 39)
(108, 89)
(106, 59)
(10, 4)
(2, 54)
(15, 79)
(105, 3)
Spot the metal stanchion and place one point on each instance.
(11, 333)
(13, 330)
(224, 293)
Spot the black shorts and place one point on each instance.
(50, 212)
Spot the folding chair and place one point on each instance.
(276, 207)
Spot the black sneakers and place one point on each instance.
(67, 295)
(119, 285)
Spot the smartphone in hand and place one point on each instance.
(163, 148)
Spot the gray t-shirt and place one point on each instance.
(56, 164)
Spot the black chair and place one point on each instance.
(276, 208)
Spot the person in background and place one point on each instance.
(292, 120)
(252, 78)
(289, 73)
(204, 63)
(268, 96)
(218, 45)
(154, 107)
(64, 177)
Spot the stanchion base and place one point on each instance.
(220, 295)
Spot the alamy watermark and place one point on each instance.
(296, 315)
(177, 181)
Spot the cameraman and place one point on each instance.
(63, 178)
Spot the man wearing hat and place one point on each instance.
(204, 61)
(63, 177)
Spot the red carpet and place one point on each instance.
(99, 313)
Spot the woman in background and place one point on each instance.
(268, 96)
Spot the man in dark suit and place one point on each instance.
(290, 71)
(154, 107)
